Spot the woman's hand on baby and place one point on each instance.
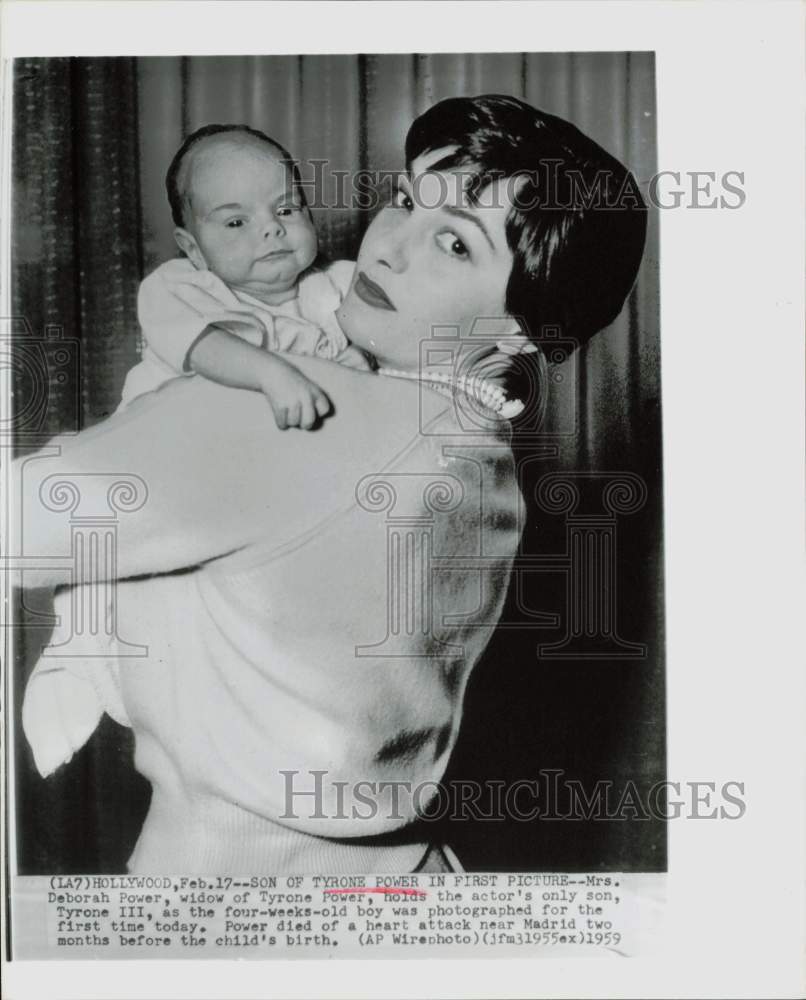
(295, 400)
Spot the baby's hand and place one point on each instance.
(294, 399)
(354, 357)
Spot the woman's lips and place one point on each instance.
(372, 294)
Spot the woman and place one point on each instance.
(300, 702)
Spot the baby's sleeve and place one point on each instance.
(320, 295)
(177, 304)
(341, 274)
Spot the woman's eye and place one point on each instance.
(402, 199)
(451, 244)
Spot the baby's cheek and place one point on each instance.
(310, 246)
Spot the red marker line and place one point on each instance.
(388, 888)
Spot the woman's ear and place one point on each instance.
(190, 248)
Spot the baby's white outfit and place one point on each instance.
(177, 303)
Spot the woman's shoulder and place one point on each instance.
(382, 419)
(389, 445)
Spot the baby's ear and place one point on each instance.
(190, 248)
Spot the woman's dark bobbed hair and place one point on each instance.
(578, 223)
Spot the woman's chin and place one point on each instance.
(355, 326)
(361, 324)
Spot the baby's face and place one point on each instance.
(245, 221)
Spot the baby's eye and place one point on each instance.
(235, 223)
(451, 244)
(401, 199)
(285, 210)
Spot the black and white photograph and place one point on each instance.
(500, 652)
(336, 526)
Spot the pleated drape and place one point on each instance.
(76, 246)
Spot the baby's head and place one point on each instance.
(239, 209)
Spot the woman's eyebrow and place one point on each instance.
(463, 213)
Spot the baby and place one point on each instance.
(245, 288)
(245, 291)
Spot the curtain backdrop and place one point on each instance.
(92, 141)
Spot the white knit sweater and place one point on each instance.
(289, 650)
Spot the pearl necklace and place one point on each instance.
(487, 393)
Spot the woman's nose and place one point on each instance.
(391, 248)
